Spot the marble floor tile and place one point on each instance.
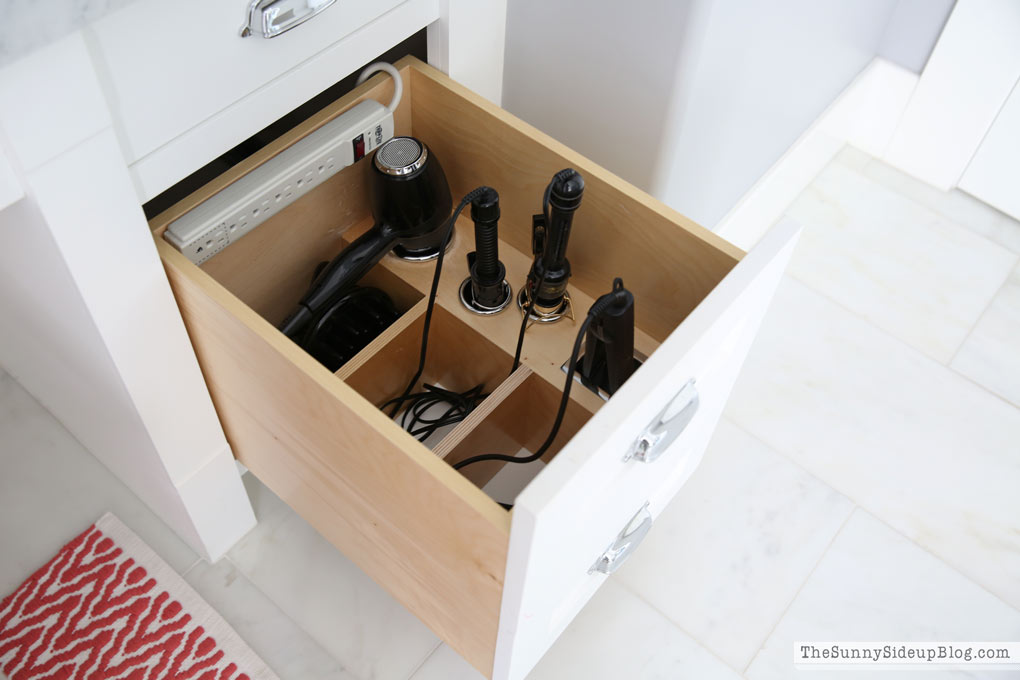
(955, 205)
(874, 584)
(52, 489)
(894, 262)
(278, 641)
(729, 554)
(353, 619)
(912, 441)
(616, 636)
(446, 664)
(991, 354)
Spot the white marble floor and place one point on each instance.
(863, 483)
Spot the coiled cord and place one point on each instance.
(421, 426)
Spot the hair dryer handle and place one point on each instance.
(339, 275)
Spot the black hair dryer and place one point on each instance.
(410, 203)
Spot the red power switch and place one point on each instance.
(359, 147)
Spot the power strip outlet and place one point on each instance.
(230, 214)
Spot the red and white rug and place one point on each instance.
(107, 607)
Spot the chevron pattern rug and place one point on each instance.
(107, 607)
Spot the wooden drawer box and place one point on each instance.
(498, 586)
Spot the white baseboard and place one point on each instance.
(864, 115)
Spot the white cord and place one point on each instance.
(398, 82)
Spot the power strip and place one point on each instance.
(230, 214)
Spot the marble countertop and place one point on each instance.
(30, 24)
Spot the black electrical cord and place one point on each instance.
(556, 424)
(541, 281)
(600, 306)
(399, 401)
(524, 324)
(421, 426)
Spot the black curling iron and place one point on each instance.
(550, 271)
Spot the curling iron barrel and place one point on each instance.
(550, 233)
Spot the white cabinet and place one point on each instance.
(994, 173)
(185, 87)
(90, 326)
(172, 65)
(497, 586)
(154, 91)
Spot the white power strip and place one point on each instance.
(230, 214)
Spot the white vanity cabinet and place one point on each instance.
(93, 124)
(499, 586)
(186, 88)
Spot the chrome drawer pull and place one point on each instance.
(625, 544)
(270, 18)
(667, 426)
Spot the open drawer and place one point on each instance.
(498, 586)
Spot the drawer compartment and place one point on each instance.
(461, 358)
(497, 585)
(515, 422)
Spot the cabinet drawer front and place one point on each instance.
(588, 495)
(190, 62)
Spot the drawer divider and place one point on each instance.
(482, 411)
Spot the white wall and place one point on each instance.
(594, 77)
(911, 32)
(695, 100)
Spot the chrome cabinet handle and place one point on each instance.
(667, 426)
(625, 544)
(270, 18)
